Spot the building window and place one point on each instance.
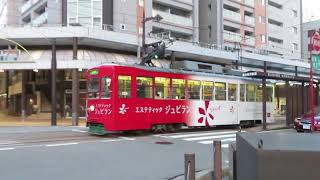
(141, 3)
(123, 27)
(294, 46)
(262, 19)
(263, 38)
(85, 12)
(210, 31)
(294, 13)
(295, 30)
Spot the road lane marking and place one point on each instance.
(222, 140)
(199, 134)
(62, 144)
(78, 130)
(210, 137)
(225, 145)
(127, 138)
(7, 149)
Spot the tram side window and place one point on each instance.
(220, 91)
(232, 92)
(93, 88)
(251, 91)
(178, 89)
(207, 90)
(162, 88)
(124, 86)
(106, 88)
(259, 93)
(242, 92)
(269, 93)
(144, 87)
(194, 89)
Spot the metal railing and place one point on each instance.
(231, 15)
(249, 2)
(249, 20)
(250, 40)
(166, 35)
(231, 36)
(40, 19)
(25, 6)
(172, 18)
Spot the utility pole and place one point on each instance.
(53, 85)
(75, 86)
(145, 19)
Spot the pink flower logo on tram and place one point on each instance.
(123, 109)
(205, 116)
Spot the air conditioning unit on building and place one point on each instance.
(197, 66)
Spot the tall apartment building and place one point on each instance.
(269, 25)
(180, 18)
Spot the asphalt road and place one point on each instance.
(72, 154)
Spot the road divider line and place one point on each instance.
(127, 138)
(225, 145)
(200, 134)
(222, 140)
(7, 149)
(210, 137)
(77, 130)
(62, 144)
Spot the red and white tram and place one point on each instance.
(124, 98)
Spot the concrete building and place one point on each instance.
(308, 28)
(271, 26)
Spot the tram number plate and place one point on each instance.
(306, 126)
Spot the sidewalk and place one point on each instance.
(34, 120)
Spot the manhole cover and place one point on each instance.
(164, 142)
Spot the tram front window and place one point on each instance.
(93, 88)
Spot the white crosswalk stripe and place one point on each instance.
(206, 138)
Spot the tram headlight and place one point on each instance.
(91, 108)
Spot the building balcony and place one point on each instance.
(249, 2)
(250, 40)
(41, 19)
(231, 15)
(174, 19)
(231, 36)
(275, 29)
(25, 6)
(249, 20)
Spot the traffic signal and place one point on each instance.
(157, 51)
